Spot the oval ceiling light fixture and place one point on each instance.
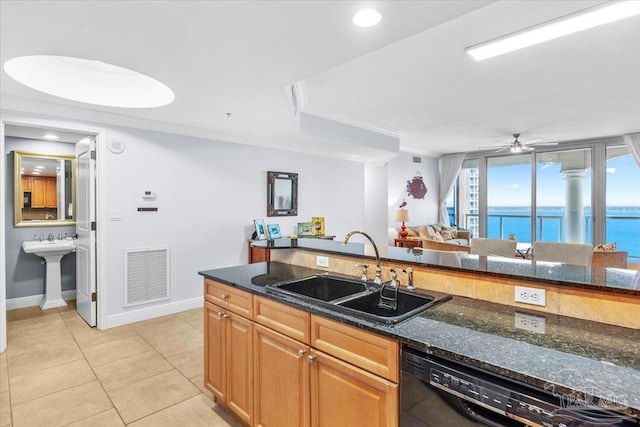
(367, 18)
(50, 136)
(91, 82)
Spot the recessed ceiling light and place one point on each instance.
(367, 18)
(50, 136)
(92, 82)
(583, 20)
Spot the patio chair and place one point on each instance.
(499, 247)
(567, 253)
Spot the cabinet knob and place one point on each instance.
(225, 296)
(301, 352)
(311, 357)
(223, 315)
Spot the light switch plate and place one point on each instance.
(532, 296)
(115, 216)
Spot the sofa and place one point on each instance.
(440, 238)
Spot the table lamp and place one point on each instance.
(401, 216)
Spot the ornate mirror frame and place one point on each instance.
(68, 173)
(282, 194)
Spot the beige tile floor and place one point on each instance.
(57, 371)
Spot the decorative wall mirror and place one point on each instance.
(282, 194)
(44, 188)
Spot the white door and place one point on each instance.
(85, 228)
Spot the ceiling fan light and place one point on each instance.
(556, 28)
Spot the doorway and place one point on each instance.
(9, 126)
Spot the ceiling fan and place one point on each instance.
(518, 146)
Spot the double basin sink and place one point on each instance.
(357, 298)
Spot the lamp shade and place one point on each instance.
(402, 215)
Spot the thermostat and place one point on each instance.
(149, 195)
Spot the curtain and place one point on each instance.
(633, 142)
(450, 166)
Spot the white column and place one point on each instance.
(574, 205)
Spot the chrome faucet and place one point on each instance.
(378, 278)
(394, 283)
(364, 277)
(409, 272)
(51, 237)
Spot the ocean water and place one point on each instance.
(622, 226)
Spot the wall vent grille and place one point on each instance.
(147, 275)
(417, 159)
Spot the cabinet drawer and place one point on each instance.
(373, 353)
(228, 297)
(287, 320)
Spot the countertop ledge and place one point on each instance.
(594, 362)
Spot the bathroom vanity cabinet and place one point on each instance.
(304, 367)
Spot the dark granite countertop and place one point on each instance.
(600, 363)
(601, 279)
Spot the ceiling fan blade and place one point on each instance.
(533, 141)
(541, 144)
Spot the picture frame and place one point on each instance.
(318, 225)
(305, 229)
(261, 231)
(274, 231)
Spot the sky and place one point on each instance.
(511, 185)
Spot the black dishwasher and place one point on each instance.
(437, 392)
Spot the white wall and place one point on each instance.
(208, 194)
(421, 211)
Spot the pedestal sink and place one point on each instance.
(52, 251)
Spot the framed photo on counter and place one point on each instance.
(261, 233)
(274, 231)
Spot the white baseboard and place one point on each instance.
(152, 312)
(33, 300)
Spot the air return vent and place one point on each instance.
(417, 159)
(147, 271)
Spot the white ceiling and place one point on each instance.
(407, 77)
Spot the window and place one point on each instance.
(583, 192)
(622, 225)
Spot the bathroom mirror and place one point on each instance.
(44, 188)
(282, 194)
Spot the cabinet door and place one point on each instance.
(281, 380)
(26, 183)
(37, 192)
(239, 370)
(214, 351)
(344, 395)
(51, 193)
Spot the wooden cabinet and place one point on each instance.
(44, 191)
(296, 384)
(228, 350)
(50, 193)
(363, 399)
(281, 380)
(38, 192)
(275, 365)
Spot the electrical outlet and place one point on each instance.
(322, 261)
(532, 296)
(530, 322)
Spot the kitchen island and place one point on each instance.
(588, 362)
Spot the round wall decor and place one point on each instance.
(416, 187)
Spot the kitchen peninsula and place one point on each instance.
(595, 361)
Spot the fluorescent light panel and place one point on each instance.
(583, 20)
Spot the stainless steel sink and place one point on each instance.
(321, 287)
(409, 304)
(357, 298)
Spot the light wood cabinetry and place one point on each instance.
(44, 191)
(278, 366)
(310, 384)
(228, 351)
(50, 193)
(344, 395)
(281, 380)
